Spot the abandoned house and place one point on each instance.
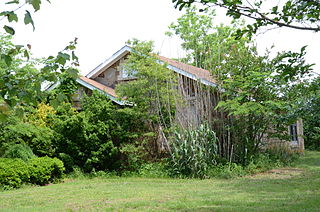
(192, 82)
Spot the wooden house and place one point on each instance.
(195, 84)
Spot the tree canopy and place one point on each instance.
(259, 92)
(296, 14)
(22, 76)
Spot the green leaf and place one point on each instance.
(13, 2)
(7, 59)
(35, 4)
(74, 57)
(19, 47)
(28, 19)
(62, 58)
(73, 72)
(26, 54)
(9, 30)
(11, 16)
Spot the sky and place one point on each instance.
(103, 26)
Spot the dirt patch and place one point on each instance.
(282, 173)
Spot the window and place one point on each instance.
(293, 132)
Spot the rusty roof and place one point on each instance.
(99, 86)
(198, 72)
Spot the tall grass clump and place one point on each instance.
(193, 152)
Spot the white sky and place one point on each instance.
(103, 26)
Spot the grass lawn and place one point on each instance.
(287, 189)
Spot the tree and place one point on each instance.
(12, 16)
(308, 107)
(152, 92)
(22, 76)
(198, 33)
(296, 14)
(258, 93)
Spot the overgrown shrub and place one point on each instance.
(40, 171)
(38, 138)
(68, 161)
(92, 139)
(13, 172)
(22, 151)
(193, 152)
(45, 170)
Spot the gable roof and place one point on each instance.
(192, 72)
(110, 61)
(94, 85)
(196, 73)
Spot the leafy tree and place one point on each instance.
(258, 93)
(93, 138)
(12, 16)
(152, 92)
(22, 76)
(198, 33)
(308, 107)
(296, 14)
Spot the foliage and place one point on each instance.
(282, 153)
(13, 172)
(21, 80)
(45, 170)
(92, 139)
(65, 90)
(42, 115)
(308, 108)
(21, 151)
(152, 92)
(40, 171)
(38, 138)
(21, 75)
(194, 30)
(259, 93)
(301, 15)
(11, 15)
(154, 170)
(300, 191)
(133, 155)
(226, 171)
(86, 137)
(193, 152)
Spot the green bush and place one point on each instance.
(45, 170)
(40, 171)
(68, 162)
(93, 138)
(13, 172)
(193, 152)
(38, 138)
(22, 151)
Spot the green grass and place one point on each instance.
(290, 189)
